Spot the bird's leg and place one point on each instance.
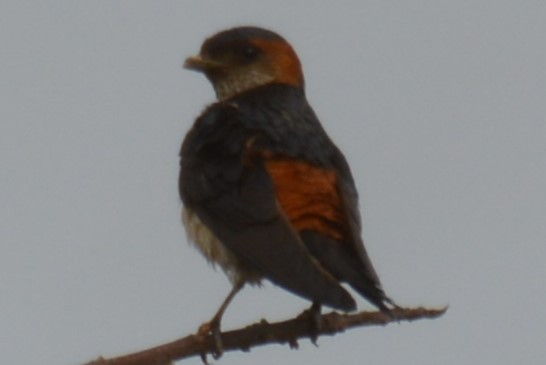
(212, 327)
(313, 315)
(315, 318)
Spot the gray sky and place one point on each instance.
(439, 107)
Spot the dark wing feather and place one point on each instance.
(236, 199)
(347, 258)
(321, 205)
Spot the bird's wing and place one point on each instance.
(234, 194)
(321, 204)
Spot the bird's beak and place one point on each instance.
(199, 63)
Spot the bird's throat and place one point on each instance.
(238, 82)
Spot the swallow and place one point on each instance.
(266, 193)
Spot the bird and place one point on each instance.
(266, 193)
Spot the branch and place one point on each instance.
(262, 333)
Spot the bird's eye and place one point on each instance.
(250, 52)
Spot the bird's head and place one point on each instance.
(243, 58)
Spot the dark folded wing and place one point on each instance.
(320, 203)
(236, 199)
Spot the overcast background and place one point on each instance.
(439, 107)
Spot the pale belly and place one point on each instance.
(214, 251)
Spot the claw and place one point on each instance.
(212, 329)
(204, 358)
(314, 317)
(316, 322)
(218, 343)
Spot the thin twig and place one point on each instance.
(262, 333)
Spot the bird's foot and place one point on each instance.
(314, 317)
(212, 329)
(392, 310)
